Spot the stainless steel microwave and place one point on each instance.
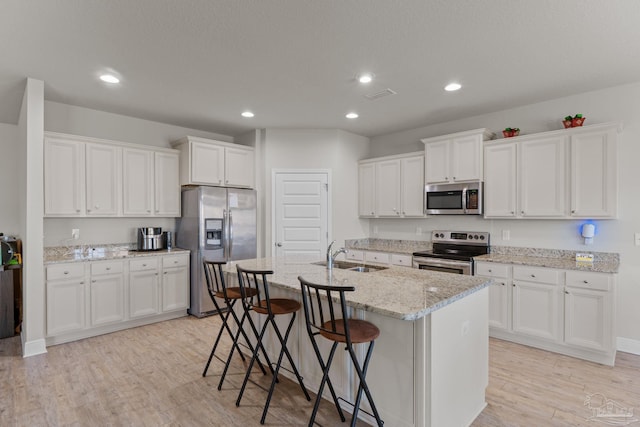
(463, 198)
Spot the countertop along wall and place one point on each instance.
(621, 103)
(99, 124)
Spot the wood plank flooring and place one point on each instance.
(151, 376)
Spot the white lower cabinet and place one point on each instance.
(175, 283)
(567, 311)
(66, 302)
(85, 299)
(107, 292)
(143, 287)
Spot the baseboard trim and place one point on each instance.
(628, 345)
(33, 348)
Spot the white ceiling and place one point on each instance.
(200, 63)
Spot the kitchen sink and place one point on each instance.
(352, 266)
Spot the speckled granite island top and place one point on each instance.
(399, 292)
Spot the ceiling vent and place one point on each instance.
(381, 94)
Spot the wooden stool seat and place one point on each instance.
(236, 293)
(361, 331)
(278, 306)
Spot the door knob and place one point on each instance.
(279, 244)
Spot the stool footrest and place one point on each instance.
(342, 399)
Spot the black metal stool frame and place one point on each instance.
(314, 298)
(253, 278)
(214, 277)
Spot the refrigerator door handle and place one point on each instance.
(230, 233)
(225, 235)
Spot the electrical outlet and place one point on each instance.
(506, 234)
(465, 327)
(637, 238)
(375, 229)
(418, 231)
(75, 233)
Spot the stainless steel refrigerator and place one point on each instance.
(217, 224)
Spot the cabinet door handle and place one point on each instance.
(82, 283)
(66, 272)
(446, 178)
(585, 281)
(77, 210)
(490, 271)
(454, 178)
(522, 212)
(566, 292)
(144, 265)
(403, 213)
(371, 213)
(512, 212)
(513, 284)
(165, 272)
(502, 284)
(108, 268)
(93, 281)
(533, 275)
(573, 211)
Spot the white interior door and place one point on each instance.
(301, 213)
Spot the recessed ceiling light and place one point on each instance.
(452, 86)
(352, 115)
(247, 114)
(109, 78)
(365, 77)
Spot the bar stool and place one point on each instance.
(218, 290)
(321, 320)
(263, 304)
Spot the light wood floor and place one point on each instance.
(151, 376)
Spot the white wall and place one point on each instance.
(99, 124)
(335, 150)
(620, 103)
(9, 186)
(31, 207)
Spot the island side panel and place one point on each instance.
(391, 374)
(459, 361)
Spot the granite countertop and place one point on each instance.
(405, 247)
(559, 263)
(399, 292)
(60, 254)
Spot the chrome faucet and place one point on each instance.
(331, 257)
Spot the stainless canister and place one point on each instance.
(168, 240)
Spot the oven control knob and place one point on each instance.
(475, 236)
(481, 237)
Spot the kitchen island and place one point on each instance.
(430, 363)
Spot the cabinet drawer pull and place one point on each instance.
(585, 281)
(165, 272)
(66, 272)
(93, 281)
(175, 262)
(82, 283)
(502, 284)
(108, 268)
(533, 275)
(490, 271)
(144, 265)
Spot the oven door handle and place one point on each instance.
(437, 262)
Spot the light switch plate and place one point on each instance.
(75, 233)
(506, 234)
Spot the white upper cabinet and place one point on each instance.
(561, 174)
(594, 181)
(103, 179)
(209, 162)
(412, 186)
(239, 166)
(366, 189)
(391, 186)
(64, 177)
(91, 177)
(543, 183)
(500, 180)
(455, 157)
(387, 185)
(167, 184)
(137, 173)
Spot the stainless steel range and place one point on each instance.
(453, 251)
